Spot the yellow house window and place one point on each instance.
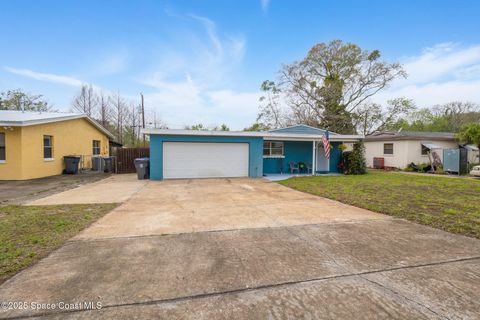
(2, 147)
(47, 147)
(96, 147)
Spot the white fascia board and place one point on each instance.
(346, 137)
(311, 137)
(38, 121)
(265, 135)
(58, 119)
(207, 133)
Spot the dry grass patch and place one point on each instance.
(29, 233)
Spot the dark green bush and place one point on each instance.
(421, 167)
(353, 162)
(424, 167)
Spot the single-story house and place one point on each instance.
(400, 148)
(207, 154)
(33, 144)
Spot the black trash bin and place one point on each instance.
(142, 165)
(108, 164)
(71, 164)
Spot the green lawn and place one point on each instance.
(451, 204)
(29, 233)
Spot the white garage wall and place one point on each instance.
(404, 152)
(375, 149)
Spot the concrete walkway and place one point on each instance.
(250, 249)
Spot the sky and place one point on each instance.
(203, 61)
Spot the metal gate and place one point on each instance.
(124, 158)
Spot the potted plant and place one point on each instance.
(302, 167)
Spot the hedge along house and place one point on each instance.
(176, 154)
(33, 144)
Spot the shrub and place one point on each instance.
(424, 167)
(353, 162)
(302, 166)
(440, 170)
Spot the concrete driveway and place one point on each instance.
(114, 189)
(251, 249)
(183, 206)
(24, 191)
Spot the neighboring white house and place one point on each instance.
(399, 149)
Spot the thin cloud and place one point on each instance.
(112, 62)
(439, 74)
(210, 27)
(192, 83)
(49, 77)
(265, 4)
(441, 60)
(182, 104)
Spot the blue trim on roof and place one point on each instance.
(302, 129)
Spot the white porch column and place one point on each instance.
(314, 154)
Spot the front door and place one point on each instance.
(323, 164)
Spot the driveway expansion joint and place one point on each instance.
(404, 297)
(264, 287)
(74, 240)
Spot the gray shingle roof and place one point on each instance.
(410, 135)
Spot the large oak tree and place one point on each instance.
(327, 87)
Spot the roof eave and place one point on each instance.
(100, 127)
(58, 119)
(38, 121)
(369, 139)
(259, 134)
(301, 125)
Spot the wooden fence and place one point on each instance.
(124, 158)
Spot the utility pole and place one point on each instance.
(143, 119)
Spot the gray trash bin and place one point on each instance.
(108, 164)
(71, 164)
(142, 165)
(97, 163)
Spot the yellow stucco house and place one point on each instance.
(33, 144)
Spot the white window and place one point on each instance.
(96, 147)
(47, 147)
(2, 147)
(273, 149)
(388, 148)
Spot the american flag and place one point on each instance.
(326, 145)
